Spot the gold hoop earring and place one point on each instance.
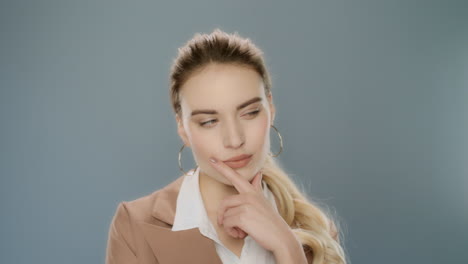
(281, 142)
(180, 162)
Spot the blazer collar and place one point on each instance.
(165, 203)
(185, 246)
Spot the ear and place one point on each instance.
(272, 108)
(181, 131)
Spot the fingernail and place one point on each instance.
(213, 160)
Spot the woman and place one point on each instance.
(238, 205)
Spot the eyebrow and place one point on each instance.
(239, 107)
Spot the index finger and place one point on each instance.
(242, 185)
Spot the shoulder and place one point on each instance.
(147, 207)
(140, 208)
(127, 236)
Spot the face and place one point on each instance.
(225, 113)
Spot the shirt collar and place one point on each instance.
(190, 208)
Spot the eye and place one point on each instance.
(253, 113)
(207, 122)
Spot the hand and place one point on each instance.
(249, 212)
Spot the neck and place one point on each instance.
(213, 192)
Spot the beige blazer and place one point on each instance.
(140, 232)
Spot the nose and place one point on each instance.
(233, 134)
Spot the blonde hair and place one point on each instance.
(313, 226)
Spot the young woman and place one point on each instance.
(238, 205)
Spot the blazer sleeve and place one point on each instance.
(120, 242)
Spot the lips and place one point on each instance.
(238, 158)
(239, 163)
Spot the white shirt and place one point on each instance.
(191, 213)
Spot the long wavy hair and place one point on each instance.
(314, 226)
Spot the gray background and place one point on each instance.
(371, 99)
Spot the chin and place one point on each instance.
(247, 173)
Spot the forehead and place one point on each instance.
(220, 86)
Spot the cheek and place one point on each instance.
(201, 145)
(204, 145)
(259, 135)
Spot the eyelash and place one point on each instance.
(253, 113)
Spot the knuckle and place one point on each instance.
(242, 219)
(251, 198)
(245, 209)
(246, 198)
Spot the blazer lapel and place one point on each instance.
(185, 246)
